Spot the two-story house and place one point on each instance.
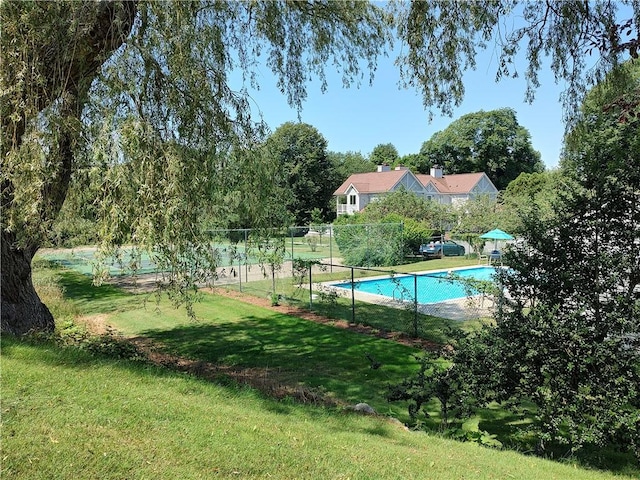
(361, 189)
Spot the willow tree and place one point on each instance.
(149, 101)
(140, 95)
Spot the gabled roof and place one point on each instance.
(381, 182)
(372, 182)
(452, 184)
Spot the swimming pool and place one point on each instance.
(432, 287)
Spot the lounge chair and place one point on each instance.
(495, 256)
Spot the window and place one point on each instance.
(429, 198)
(352, 199)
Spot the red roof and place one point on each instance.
(379, 182)
(457, 183)
(371, 182)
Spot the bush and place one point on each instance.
(73, 231)
(369, 245)
(414, 234)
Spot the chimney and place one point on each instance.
(436, 171)
(401, 168)
(384, 168)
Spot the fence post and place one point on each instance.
(246, 256)
(240, 271)
(415, 305)
(310, 289)
(353, 299)
(331, 248)
(291, 232)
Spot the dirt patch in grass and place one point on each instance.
(95, 324)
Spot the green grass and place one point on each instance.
(129, 411)
(67, 415)
(237, 334)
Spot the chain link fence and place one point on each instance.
(420, 305)
(265, 262)
(305, 266)
(424, 306)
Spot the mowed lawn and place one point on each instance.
(69, 414)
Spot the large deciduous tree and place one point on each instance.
(536, 191)
(300, 151)
(491, 142)
(384, 154)
(141, 94)
(51, 54)
(348, 163)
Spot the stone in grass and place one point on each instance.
(363, 408)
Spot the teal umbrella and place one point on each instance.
(496, 234)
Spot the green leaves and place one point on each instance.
(306, 173)
(492, 142)
(566, 335)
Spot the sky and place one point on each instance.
(358, 119)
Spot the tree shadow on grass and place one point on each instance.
(385, 318)
(296, 352)
(512, 429)
(92, 299)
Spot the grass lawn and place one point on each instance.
(237, 334)
(67, 414)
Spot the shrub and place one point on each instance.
(370, 245)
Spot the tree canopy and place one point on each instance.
(443, 39)
(346, 164)
(491, 142)
(139, 95)
(384, 154)
(531, 192)
(300, 151)
(567, 335)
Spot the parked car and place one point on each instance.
(438, 249)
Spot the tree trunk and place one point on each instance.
(22, 311)
(92, 31)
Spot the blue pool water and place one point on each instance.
(432, 287)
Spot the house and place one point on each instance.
(361, 189)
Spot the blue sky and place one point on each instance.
(358, 119)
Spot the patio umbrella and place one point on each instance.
(496, 234)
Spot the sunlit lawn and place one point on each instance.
(69, 415)
(381, 317)
(292, 350)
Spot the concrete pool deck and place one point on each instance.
(462, 309)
